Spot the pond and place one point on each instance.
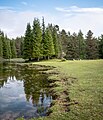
(23, 92)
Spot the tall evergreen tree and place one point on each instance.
(55, 41)
(91, 46)
(64, 40)
(28, 43)
(37, 39)
(19, 46)
(43, 38)
(81, 45)
(48, 44)
(72, 47)
(9, 48)
(1, 45)
(5, 47)
(60, 52)
(101, 46)
(13, 48)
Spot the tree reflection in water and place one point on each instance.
(26, 90)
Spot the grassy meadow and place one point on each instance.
(78, 88)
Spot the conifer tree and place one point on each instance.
(91, 46)
(48, 44)
(101, 46)
(37, 39)
(55, 41)
(60, 52)
(13, 48)
(72, 47)
(19, 46)
(43, 37)
(5, 47)
(1, 45)
(28, 43)
(64, 40)
(9, 48)
(81, 45)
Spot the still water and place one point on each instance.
(23, 92)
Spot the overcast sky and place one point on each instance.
(71, 15)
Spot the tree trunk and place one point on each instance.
(38, 59)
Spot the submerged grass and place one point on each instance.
(78, 87)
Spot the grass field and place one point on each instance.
(82, 82)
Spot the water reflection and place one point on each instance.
(23, 92)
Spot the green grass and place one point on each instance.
(83, 82)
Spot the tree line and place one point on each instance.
(7, 47)
(45, 42)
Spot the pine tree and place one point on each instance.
(91, 46)
(1, 45)
(5, 47)
(9, 48)
(19, 46)
(37, 39)
(101, 46)
(60, 52)
(55, 41)
(43, 38)
(28, 43)
(72, 47)
(64, 41)
(70, 51)
(48, 44)
(81, 45)
(13, 48)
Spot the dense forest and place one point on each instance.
(46, 42)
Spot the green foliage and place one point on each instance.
(64, 40)
(48, 44)
(28, 43)
(5, 47)
(13, 49)
(101, 46)
(81, 45)
(55, 41)
(37, 39)
(91, 46)
(42, 42)
(19, 46)
(9, 49)
(1, 45)
(43, 38)
(72, 48)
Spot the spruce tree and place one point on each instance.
(19, 46)
(1, 45)
(48, 44)
(70, 50)
(9, 48)
(13, 48)
(91, 46)
(37, 39)
(5, 47)
(28, 43)
(55, 41)
(43, 38)
(101, 46)
(60, 52)
(64, 40)
(72, 47)
(81, 45)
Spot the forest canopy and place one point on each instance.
(46, 42)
